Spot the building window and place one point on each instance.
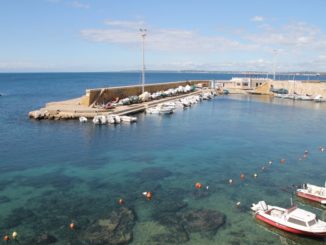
(245, 84)
(238, 84)
(256, 84)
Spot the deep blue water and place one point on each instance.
(53, 172)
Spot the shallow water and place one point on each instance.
(54, 172)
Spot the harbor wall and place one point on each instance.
(104, 95)
(302, 87)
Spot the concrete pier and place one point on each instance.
(86, 105)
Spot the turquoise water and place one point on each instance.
(54, 173)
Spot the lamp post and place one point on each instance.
(275, 53)
(143, 35)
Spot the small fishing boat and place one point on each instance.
(293, 220)
(128, 119)
(319, 98)
(312, 192)
(83, 119)
(99, 119)
(153, 110)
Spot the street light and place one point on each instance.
(143, 35)
(275, 53)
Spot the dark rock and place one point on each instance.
(46, 239)
(202, 220)
(4, 199)
(19, 216)
(116, 229)
(153, 173)
(201, 193)
(175, 235)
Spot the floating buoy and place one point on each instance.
(6, 238)
(242, 176)
(305, 155)
(230, 181)
(72, 226)
(14, 235)
(198, 185)
(148, 195)
(282, 161)
(306, 152)
(263, 168)
(207, 187)
(270, 162)
(300, 159)
(121, 201)
(255, 175)
(238, 204)
(322, 149)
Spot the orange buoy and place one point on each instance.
(6, 238)
(198, 185)
(282, 161)
(14, 235)
(230, 181)
(149, 195)
(242, 176)
(121, 201)
(72, 226)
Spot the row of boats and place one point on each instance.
(295, 220)
(171, 106)
(295, 96)
(110, 119)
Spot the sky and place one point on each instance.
(103, 35)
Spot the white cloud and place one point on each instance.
(77, 4)
(125, 24)
(170, 40)
(73, 4)
(257, 19)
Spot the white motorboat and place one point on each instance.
(293, 220)
(128, 119)
(313, 193)
(153, 110)
(319, 98)
(83, 119)
(99, 119)
(304, 97)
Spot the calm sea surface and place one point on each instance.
(57, 172)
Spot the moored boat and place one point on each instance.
(313, 193)
(83, 119)
(293, 220)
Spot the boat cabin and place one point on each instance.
(300, 217)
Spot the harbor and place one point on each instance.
(97, 102)
(180, 178)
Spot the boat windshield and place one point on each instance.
(312, 222)
(297, 222)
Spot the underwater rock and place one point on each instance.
(4, 199)
(56, 180)
(153, 173)
(175, 235)
(19, 216)
(116, 229)
(202, 220)
(46, 239)
(201, 193)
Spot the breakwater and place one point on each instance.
(90, 104)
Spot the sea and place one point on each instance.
(58, 173)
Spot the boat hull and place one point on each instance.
(287, 228)
(314, 198)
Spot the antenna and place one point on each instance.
(143, 33)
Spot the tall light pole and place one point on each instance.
(274, 68)
(143, 35)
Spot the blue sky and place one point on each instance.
(103, 35)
